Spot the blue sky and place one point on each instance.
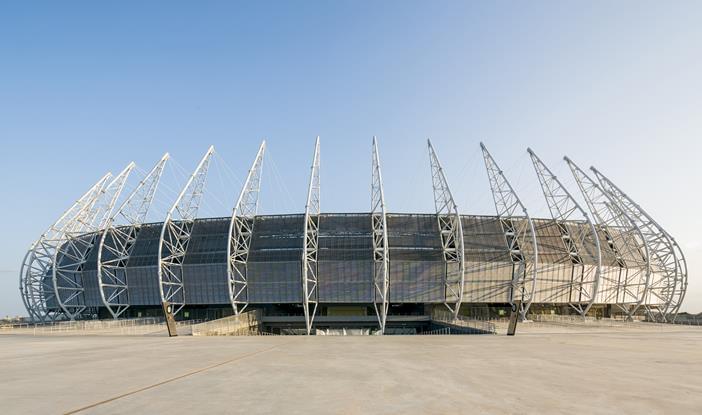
(87, 87)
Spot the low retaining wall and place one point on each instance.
(245, 324)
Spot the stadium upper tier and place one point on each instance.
(100, 255)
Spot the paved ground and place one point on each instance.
(538, 371)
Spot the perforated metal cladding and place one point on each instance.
(417, 266)
(205, 267)
(142, 267)
(345, 258)
(143, 286)
(556, 269)
(488, 267)
(79, 276)
(274, 265)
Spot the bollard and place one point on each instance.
(513, 319)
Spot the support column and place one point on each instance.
(451, 230)
(564, 208)
(310, 289)
(118, 239)
(381, 251)
(519, 232)
(240, 233)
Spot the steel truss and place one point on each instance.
(80, 237)
(118, 239)
(451, 230)
(576, 240)
(175, 236)
(37, 290)
(625, 241)
(240, 233)
(310, 288)
(381, 251)
(519, 232)
(666, 256)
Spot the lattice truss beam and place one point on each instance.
(627, 287)
(241, 229)
(80, 237)
(520, 235)
(451, 231)
(381, 251)
(667, 279)
(176, 233)
(36, 285)
(118, 239)
(310, 287)
(580, 243)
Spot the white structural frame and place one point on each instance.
(662, 252)
(79, 239)
(624, 238)
(451, 231)
(240, 233)
(381, 250)
(35, 274)
(564, 208)
(310, 286)
(175, 236)
(118, 239)
(518, 231)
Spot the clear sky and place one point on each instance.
(87, 87)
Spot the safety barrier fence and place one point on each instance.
(464, 325)
(138, 326)
(546, 320)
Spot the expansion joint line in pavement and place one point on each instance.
(173, 379)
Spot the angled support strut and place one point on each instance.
(668, 283)
(582, 289)
(118, 239)
(240, 233)
(381, 252)
(80, 238)
(37, 290)
(625, 241)
(175, 237)
(310, 287)
(451, 230)
(519, 232)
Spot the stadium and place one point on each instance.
(382, 272)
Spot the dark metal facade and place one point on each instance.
(417, 267)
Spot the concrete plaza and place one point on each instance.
(538, 371)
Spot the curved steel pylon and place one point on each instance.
(576, 239)
(625, 241)
(79, 239)
(519, 232)
(451, 231)
(310, 288)
(175, 236)
(36, 287)
(662, 250)
(381, 251)
(118, 239)
(240, 233)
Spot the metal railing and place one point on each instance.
(137, 326)
(466, 324)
